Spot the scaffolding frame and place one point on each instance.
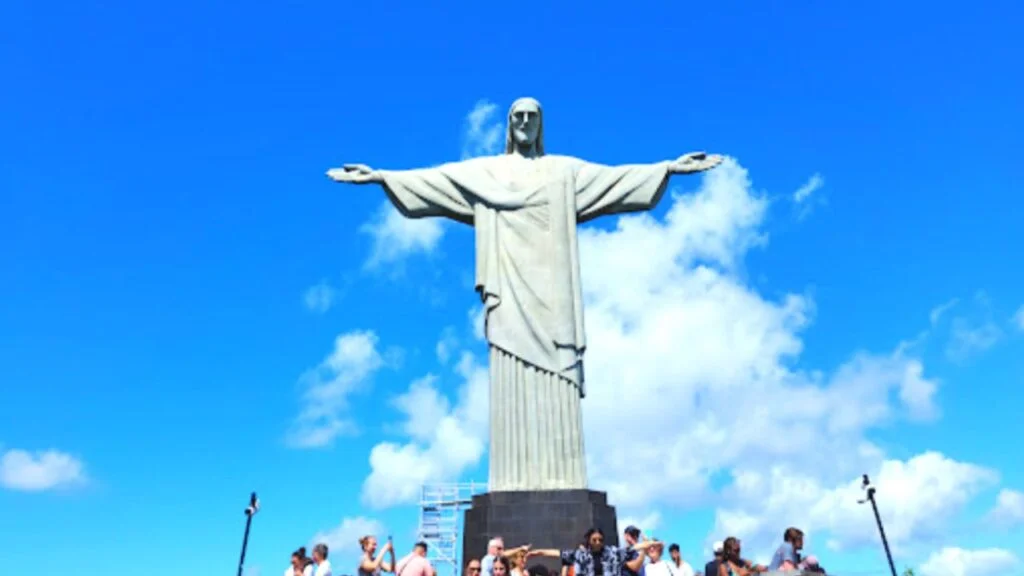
(441, 508)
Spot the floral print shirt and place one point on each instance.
(609, 562)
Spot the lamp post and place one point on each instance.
(250, 512)
(866, 485)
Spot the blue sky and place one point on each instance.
(164, 216)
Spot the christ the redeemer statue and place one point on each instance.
(525, 206)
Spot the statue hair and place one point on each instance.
(538, 146)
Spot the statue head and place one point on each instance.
(525, 127)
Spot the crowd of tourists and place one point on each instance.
(638, 556)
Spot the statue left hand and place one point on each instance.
(695, 162)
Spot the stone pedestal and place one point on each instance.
(543, 519)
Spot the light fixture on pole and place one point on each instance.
(250, 512)
(866, 485)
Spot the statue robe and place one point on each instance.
(525, 214)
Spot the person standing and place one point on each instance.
(496, 549)
(416, 563)
(323, 565)
(656, 564)
(373, 562)
(787, 556)
(676, 564)
(597, 558)
(301, 565)
(711, 568)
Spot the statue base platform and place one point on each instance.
(542, 518)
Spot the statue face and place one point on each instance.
(524, 121)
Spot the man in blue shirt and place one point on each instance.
(711, 568)
(787, 557)
(632, 537)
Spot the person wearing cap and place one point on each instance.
(711, 568)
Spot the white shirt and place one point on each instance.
(659, 568)
(308, 571)
(323, 568)
(668, 568)
(683, 569)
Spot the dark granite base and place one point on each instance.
(543, 519)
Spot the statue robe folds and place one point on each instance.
(525, 214)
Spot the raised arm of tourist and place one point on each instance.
(568, 557)
(645, 544)
(371, 565)
(635, 564)
(754, 567)
(511, 552)
(544, 553)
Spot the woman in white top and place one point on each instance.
(323, 565)
(301, 565)
(373, 562)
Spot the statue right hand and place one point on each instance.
(353, 174)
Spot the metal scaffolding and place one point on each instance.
(441, 508)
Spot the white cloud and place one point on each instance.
(1018, 319)
(445, 438)
(344, 538)
(319, 298)
(939, 311)
(967, 338)
(915, 498)
(484, 131)
(973, 331)
(40, 471)
(802, 196)
(813, 184)
(328, 386)
(476, 322)
(961, 562)
(446, 345)
(646, 523)
(703, 365)
(1009, 508)
(680, 328)
(395, 237)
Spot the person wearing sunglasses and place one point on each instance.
(596, 558)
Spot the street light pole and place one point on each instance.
(250, 512)
(866, 485)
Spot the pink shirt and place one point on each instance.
(414, 565)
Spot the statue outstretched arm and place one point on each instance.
(444, 191)
(694, 162)
(604, 190)
(355, 174)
